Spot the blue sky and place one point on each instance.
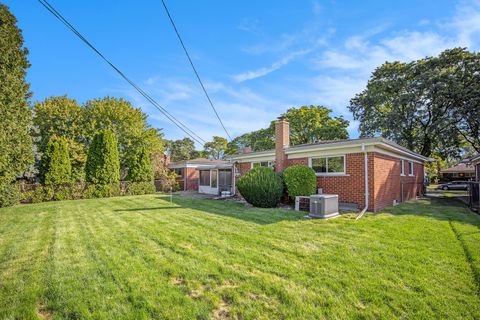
(257, 58)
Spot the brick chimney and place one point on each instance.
(282, 141)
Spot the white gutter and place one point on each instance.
(366, 182)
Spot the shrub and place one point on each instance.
(261, 187)
(137, 188)
(140, 167)
(299, 181)
(102, 190)
(103, 164)
(9, 195)
(42, 193)
(56, 166)
(64, 192)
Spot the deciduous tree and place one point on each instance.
(182, 149)
(216, 148)
(428, 106)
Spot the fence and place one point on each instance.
(474, 196)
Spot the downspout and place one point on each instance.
(234, 171)
(365, 157)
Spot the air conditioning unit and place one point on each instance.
(323, 206)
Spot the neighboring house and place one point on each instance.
(204, 175)
(475, 162)
(461, 171)
(369, 172)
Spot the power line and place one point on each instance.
(165, 112)
(194, 69)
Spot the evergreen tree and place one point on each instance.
(140, 169)
(103, 165)
(56, 167)
(15, 142)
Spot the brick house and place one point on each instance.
(204, 175)
(461, 171)
(368, 172)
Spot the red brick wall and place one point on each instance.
(297, 162)
(351, 187)
(384, 180)
(192, 177)
(389, 185)
(282, 140)
(244, 167)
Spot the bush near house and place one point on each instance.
(261, 187)
(299, 181)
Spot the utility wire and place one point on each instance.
(194, 69)
(165, 112)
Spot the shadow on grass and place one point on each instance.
(441, 208)
(236, 210)
(147, 209)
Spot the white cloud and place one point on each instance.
(253, 74)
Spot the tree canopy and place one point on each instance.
(216, 148)
(182, 149)
(307, 125)
(64, 117)
(15, 141)
(429, 106)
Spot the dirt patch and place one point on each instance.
(178, 281)
(43, 313)
(222, 311)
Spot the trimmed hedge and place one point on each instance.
(9, 195)
(299, 181)
(261, 187)
(138, 188)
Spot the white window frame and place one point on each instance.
(330, 174)
(270, 164)
(410, 165)
(402, 169)
(211, 174)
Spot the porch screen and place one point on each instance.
(205, 177)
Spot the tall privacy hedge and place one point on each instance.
(15, 115)
(103, 165)
(299, 181)
(56, 166)
(261, 187)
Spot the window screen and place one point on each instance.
(205, 177)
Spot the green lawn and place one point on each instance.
(143, 257)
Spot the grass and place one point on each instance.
(143, 257)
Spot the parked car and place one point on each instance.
(453, 185)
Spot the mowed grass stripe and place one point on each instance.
(144, 257)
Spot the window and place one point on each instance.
(402, 167)
(178, 172)
(410, 168)
(268, 164)
(213, 178)
(328, 165)
(205, 178)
